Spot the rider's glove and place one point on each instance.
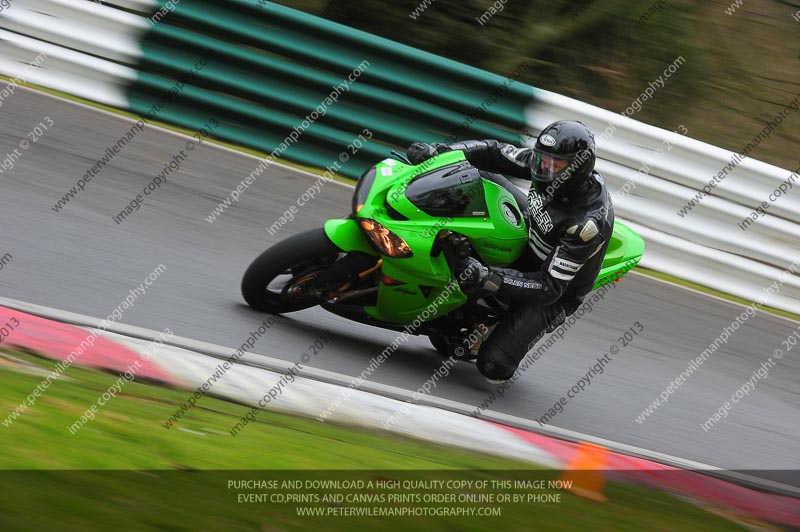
(420, 151)
(475, 279)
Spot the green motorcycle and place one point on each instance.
(390, 263)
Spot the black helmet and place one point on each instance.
(564, 157)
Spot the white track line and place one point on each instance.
(712, 296)
(276, 364)
(164, 129)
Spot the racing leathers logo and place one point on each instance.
(539, 215)
(522, 283)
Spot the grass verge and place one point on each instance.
(180, 479)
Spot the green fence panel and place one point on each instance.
(271, 67)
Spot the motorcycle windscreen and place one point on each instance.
(449, 192)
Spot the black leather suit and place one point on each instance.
(568, 237)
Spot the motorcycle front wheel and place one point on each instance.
(277, 280)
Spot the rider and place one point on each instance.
(570, 223)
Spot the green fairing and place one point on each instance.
(493, 234)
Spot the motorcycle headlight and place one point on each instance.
(384, 241)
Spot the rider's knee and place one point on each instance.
(497, 365)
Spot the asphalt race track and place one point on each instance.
(80, 260)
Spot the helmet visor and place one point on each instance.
(549, 168)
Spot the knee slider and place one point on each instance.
(496, 365)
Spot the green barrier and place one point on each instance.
(272, 67)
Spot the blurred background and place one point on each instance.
(740, 69)
(247, 74)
